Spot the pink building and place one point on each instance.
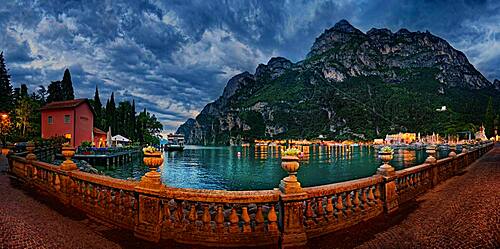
(73, 119)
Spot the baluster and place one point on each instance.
(348, 204)
(410, 181)
(179, 214)
(109, 201)
(356, 201)
(192, 214)
(246, 220)
(259, 220)
(87, 194)
(167, 222)
(320, 212)
(233, 220)
(309, 213)
(329, 207)
(377, 194)
(57, 183)
(272, 219)
(371, 197)
(364, 200)
(219, 218)
(206, 218)
(340, 208)
(118, 200)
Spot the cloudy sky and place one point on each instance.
(173, 57)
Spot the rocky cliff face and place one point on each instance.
(351, 84)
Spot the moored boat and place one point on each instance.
(175, 142)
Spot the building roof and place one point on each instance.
(99, 131)
(67, 104)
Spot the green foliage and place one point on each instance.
(86, 144)
(489, 119)
(292, 152)
(67, 86)
(6, 97)
(256, 122)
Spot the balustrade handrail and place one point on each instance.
(340, 187)
(221, 196)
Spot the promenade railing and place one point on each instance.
(285, 216)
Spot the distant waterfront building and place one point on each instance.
(73, 119)
(481, 135)
(401, 138)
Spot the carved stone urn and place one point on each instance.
(453, 149)
(431, 152)
(385, 169)
(290, 184)
(30, 147)
(153, 160)
(68, 152)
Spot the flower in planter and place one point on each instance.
(387, 149)
(292, 152)
(150, 149)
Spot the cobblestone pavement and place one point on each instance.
(462, 212)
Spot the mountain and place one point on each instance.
(351, 85)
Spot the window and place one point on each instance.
(51, 120)
(66, 119)
(67, 135)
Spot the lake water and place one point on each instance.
(258, 167)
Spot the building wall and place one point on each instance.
(58, 127)
(84, 124)
(79, 128)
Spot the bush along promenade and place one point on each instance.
(287, 216)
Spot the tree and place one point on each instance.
(98, 110)
(54, 91)
(132, 121)
(67, 86)
(6, 98)
(110, 114)
(24, 91)
(42, 94)
(489, 119)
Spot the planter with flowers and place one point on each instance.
(153, 159)
(290, 163)
(386, 154)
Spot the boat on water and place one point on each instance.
(175, 142)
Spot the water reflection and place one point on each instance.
(258, 167)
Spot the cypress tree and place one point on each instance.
(132, 121)
(110, 114)
(489, 119)
(98, 110)
(67, 86)
(6, 98)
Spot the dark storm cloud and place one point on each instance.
(173, 57)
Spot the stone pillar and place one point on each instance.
(148, 226)
(390, 195)
(292, 197)
(30, 147)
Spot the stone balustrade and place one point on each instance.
(285, 216)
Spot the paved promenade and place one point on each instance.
(462, 212)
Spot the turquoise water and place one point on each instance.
(259, 167)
